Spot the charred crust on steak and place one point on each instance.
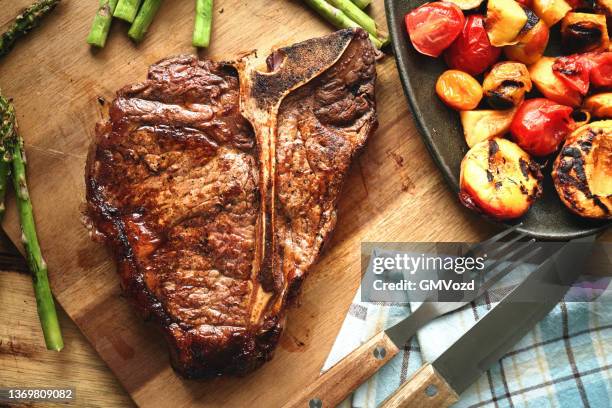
(174, 185)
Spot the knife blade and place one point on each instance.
(439, 384)
(337, 383)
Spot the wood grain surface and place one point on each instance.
(394, 193)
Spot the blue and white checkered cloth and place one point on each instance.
(565, 361)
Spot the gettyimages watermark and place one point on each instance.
(456, 271)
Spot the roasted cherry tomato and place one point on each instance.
(601, 69)
(574, 71)
(540, 125)
(472, 52)
(459, 90)
(432, 27)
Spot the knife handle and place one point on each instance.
(337, 383)
(425, 389)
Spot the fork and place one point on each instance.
(430, 310)
(337, 383)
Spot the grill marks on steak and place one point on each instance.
(179, 182)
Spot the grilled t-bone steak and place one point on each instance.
(216, 186)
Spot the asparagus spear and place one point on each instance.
(356, 14)
(127, 9)
(143, 19)
(102, 22)
(203, 23)
(337, 17)
(7, 129)
(13, 145)
(362, 3)
(25, 22)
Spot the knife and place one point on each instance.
(337, 383)
(439, 384)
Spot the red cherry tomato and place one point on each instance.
(472, 52)
(574, 71)
(601, 69)
(432, 27)
(540, 125)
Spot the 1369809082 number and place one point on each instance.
(36, 394)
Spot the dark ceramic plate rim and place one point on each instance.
(396, 32)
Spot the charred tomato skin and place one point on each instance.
(574, 70)
(541, 125)
(472, 51)
(444, 19)
(499, 179)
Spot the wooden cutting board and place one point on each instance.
(394, 192)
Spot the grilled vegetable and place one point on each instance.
(551, 11)
(334, 16)
(601, 69)
(472, 52)
(24, 23)
(432, 27)
(499, 179)
(583, 32)
(480, 125)
(599, 105)
(550, 85)
(506, 84)
(574, 71)
(144, 18)
(531, 45)
(127, 10)
(582, 172)
(203, 23)
(458, 90)
(101, 24)
(604, 7)
(12, 147)
(467, 4)
(505, 20)
(540, 125)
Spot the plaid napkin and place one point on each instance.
(565, 361)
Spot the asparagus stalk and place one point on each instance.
(337, 17)
(362, 3)
(102, 22)
(144, 18)
(7, 130)
(356, 14)
(127, 9)
(203, 23)
(24, 22)
(13, 145)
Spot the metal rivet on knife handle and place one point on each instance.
(380, 352)
(315, 403)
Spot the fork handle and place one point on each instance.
(425, 389)
(334, 385)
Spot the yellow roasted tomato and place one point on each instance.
(458, 90)
(582, 172)
(499, 179)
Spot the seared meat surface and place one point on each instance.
(215, 219)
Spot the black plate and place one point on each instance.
(441, 130)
